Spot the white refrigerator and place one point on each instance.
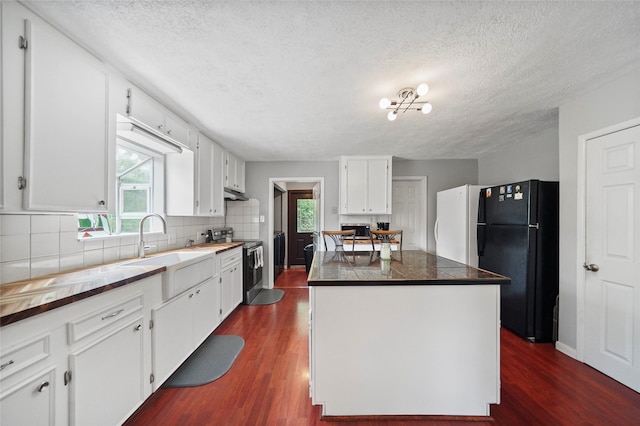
(456, 220)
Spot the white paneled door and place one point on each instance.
(612, 256)
(408, 213)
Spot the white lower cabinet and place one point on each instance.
(108, 376)
(180, 325)
(30, 402)
(230, 281)
(86, 363)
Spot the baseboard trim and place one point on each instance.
(400, 418)
(566, 349)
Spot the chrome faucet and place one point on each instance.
(141, 246)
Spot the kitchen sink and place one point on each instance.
(185, 269)
(169, 259)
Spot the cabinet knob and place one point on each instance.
(198, 292)
(169, 132)
(43, 387)
(102, 203)
(191, 295)
(137, 327)
(161, 126)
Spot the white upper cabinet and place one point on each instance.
(234, 172)
(145, 110)
(365, 185)
(66, 137)
(180, 183)
(209, 199)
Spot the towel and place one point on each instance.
(259, 261)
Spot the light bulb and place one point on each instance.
(426, 108)
(422, 89)
(392, 115)
(384, 103)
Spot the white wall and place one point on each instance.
(441, 174)
(534, 158)
(610, 104)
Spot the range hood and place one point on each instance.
(230, 194)
(141, 135)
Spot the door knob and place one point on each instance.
(591, 267)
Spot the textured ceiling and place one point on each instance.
(301, 80)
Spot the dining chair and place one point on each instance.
(338, 238)
(386, 236)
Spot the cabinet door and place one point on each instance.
(30, 402)
(146, 110)
(65, 125)
(230, 171)
(171, 337)
(206, 308)
(377, 190)
(355, 185)
(226, 291)
(217, 190)
(180, 183)
(204, 202)
(107, 383)
(237, 285)
(240, 175)
(177, 129)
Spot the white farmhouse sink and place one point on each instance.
(185, 269)
(170, 259)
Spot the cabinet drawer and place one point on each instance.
(89, 324)
(231, 259)
(21, 356)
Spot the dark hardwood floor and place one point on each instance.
(268, 383)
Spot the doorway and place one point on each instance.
(609, 331)
(286, 184)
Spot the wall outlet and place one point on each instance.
(334, 210)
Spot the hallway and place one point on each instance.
(268, 384)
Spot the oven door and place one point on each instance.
(252, 274)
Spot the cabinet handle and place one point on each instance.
(102, 203)
(6, 364)
(118, 312)
(138, 327)
(43, 387)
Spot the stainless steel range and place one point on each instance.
(252, 263)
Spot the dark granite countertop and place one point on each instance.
(26, 298)
(409, 267)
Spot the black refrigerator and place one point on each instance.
(518, 238)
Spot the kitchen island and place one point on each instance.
(416, 335)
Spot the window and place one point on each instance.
(305, 220)
(139, 191)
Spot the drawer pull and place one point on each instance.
(118, 312)
(6, 364)
(43, 387)
(138, 327)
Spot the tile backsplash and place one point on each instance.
(244, 218)
(33, 245)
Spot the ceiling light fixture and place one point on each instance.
(408, 101)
